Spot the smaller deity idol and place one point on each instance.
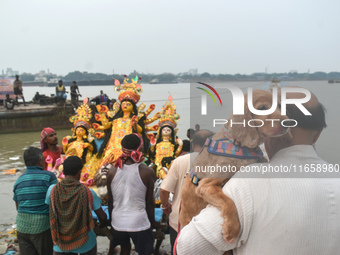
(81, 143)
(166, 144)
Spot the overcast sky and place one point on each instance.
(157, 36)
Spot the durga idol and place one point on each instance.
(125, 121)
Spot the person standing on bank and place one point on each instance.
(33, 223)
(49, 145)
(74, 94)
(18, 90)
(71, 204)
(130, 186)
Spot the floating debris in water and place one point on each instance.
(14, 158)
(8, 239)
(8, 224)
(10, 171)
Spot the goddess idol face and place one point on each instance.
(127, 106)
(166, 131)
(80, 132)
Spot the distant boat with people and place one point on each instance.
(34, 116)
(83, 83)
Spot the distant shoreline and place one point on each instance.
(111, 82)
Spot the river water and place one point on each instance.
(13, 145)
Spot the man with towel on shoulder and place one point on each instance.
(71, 204)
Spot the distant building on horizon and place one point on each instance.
(193, 71)
(10, 72)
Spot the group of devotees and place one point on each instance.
(276, 215)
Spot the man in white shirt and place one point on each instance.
(277, 215)
(174, 180)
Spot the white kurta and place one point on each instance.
(277, 215)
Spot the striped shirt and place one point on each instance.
(30, 192)
(29, 223)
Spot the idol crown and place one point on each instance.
(82, 117)
(169, 115)
(129, 90)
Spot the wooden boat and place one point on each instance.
(34, 117)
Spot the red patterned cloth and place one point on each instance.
(70, 214)
(136, 155)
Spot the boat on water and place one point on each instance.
(157, 81)
(83, 83)
(34, 84)
(34, 117)
(274, 83)
(333, 81)
(154, 81)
